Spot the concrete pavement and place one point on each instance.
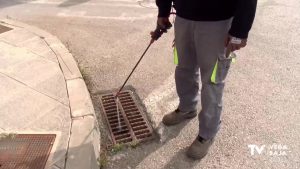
(261, 101)
(42, 91)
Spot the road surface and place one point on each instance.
(262, 95)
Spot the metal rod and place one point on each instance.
(151, 42)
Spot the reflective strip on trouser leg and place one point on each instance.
(175, 56)
(220, 70)
(214, 74)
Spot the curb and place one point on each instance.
(84, 141)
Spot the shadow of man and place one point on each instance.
(180, 161)
(6, 3)
(137, 155)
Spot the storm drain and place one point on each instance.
(4, 29)
(134, 126)
(25, 151)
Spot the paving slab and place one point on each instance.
(35, 99)
(80, 101)
(39, 46)
(81, 144)
(19, 64)
(25, 109)
(16, 36)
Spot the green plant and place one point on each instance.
(102, 160)
(117, 148)
(134, 144)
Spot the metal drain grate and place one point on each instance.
(25, 151)
(4, 29)
(134, 124)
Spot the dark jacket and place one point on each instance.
(242, 11)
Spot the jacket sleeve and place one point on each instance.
(164, 7)
(243, 18)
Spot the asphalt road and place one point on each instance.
(262, 95)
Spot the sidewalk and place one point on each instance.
(42, 91)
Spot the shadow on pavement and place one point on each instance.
(9, 3)
(136, 157)
(180, 160)
(69, 3)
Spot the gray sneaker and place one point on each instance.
(178, 116)
(199, 148)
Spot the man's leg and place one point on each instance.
(187, 70)
(186, 74)
(210, 45)
(210, 42)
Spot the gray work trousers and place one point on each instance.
(200, 45)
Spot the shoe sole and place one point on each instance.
(191, 116)
(188, 117)
(195, 158)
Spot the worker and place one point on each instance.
(206, 32)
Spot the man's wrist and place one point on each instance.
(164, 13)
(235, 40)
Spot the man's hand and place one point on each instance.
(163, 24)
(232, 44)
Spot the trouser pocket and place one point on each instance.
(220, 70)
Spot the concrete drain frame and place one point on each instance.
(135, 127)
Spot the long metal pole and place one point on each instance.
(151, 42)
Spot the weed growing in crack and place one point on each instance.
(134, 144)
(102, 160)
(117, 148)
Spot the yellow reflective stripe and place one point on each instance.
(232, 56)
(214, 74)
(175, 56)
(233, 60)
